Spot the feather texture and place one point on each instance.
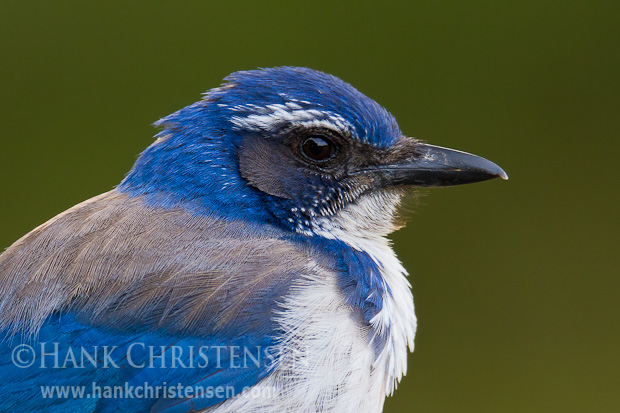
(127, 273)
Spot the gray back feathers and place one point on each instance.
(117, 262)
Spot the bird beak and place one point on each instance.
(437, 166)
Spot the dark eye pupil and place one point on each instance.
(318, 148)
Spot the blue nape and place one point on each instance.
(175, 291)
(194, 163)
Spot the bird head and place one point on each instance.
(295, 147)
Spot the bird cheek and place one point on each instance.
(266, 166)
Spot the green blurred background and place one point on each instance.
(516, 283)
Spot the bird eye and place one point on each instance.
(318, 148)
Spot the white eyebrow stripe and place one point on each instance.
(293, 105)
(290, 112)
(321, 123)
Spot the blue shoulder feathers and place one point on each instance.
(113, 272)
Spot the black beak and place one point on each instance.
(436, 166)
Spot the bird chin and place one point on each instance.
(372, 215)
